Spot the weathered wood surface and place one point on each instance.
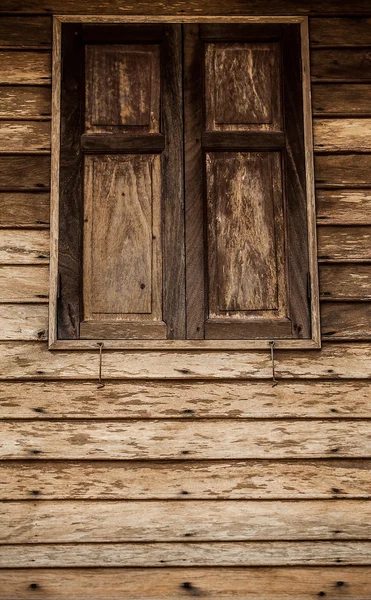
(194, 7)
(24, 284)
(28, 322)
(342, 135)
(352, 583)
(146, 440)
(344, 243)
(345, 282)
(24, 172)
(184, 399)
(25, 210)
(353, 100)
(24, 247)
(186, 481)
(32, 32)
(24, 136)
(31, 360)
(194, 520)
(21, 67)
(341, 64)
(346, 320)
(348, 170)
(344, 207)
(340, 32)
(189, 554)
(25, 102)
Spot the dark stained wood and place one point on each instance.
(348, 170)
(341, 64)
(341, 99)
(172, 184)
(24, 172)
(31, 32)
(24, 136)
(236, 140)
(116, 142)
(346, 320)
(241, 32)
(295, 184)
(122, 88)
(343, 206)
(25, 102)
(193, 182)
(19, 209)
(345, 282)
(344, 244)
(25, 68)
(340, 32)
(125, 33)
(229, 329)
(70, 184)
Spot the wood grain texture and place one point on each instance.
(345, 282)
(344, 207)
(24, 136)
(24, 284)
(21, 67)
(125, 521)
(24, 247)
(190, 554)
(31, 360)
(16, 32)
(25, 102)
(24, 172)
(348, 170)
(23, 322)
(344, 243)
(341, 64)
(346, 320)
(342, 135)
(185, 399)
(340, 31)
(186, 481)
(352, 100)
(24, 210)
(198, 440)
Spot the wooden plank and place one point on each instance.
(247, 140)
(102, 142)
(21, 67)
(172, 520)
(31, 360)
(349, 170)
(340, 32)
(25, 210)
(342, 135)
(24, 247)
(344, 243)
(139, 330)
(340, 65)
(346, 320)
(24, 172)
(344, 207)
(189, 554)
(352, 100)
(24, 284)
(239, 480)
(177, 399)
(23, 322)
(25, 102)
(345, 282)
(198, 440)
(24, 136)
(16, 32)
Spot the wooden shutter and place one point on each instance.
(122, 226)
(246, 219)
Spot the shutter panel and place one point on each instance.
(253, 206)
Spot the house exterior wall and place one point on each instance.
(188, 474)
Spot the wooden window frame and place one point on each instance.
(314, 342)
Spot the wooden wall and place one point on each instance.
(188, 474)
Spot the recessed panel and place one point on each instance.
(122, 88)
(242, 86)
(245, 232)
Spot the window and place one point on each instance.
(182, 185)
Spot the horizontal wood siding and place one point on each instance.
(186, 465)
